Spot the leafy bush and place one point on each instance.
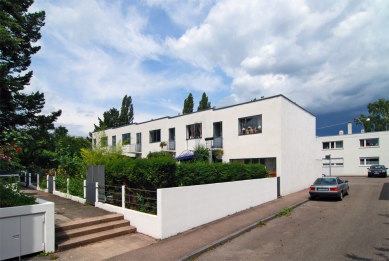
(11, 197)
(201, 153)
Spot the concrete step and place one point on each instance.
(87, 222)
(92, 238)
(82, 231)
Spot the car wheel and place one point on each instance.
(341, 196)
(348, 191)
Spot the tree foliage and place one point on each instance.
(188, 104)
(204, 103)
(126, 111)
(18, 30)
(378, 118)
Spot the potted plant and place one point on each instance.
(162, 144)
(218, 153)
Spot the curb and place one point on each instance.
(232, 235)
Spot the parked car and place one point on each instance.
(329, 187)
(377, 171)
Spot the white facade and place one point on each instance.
(284, 139)
(352, 154)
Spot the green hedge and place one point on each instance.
(11, 197)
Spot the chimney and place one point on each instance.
(350, 128)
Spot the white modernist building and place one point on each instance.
(273, 131)
(351, 154)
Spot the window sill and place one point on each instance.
(367, 147)
(333, 149)
(249, 134)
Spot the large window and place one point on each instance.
(250, 125)
(369, 161)
(194, 131)
(332, 145)
(369, 142)
(126, 138)
(155, 136)
(114, 141)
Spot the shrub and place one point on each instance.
(201, 153)
(11, 197)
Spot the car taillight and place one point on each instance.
(334, 189)
(312, 188)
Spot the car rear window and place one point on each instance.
(325, 181)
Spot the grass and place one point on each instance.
(284, 212)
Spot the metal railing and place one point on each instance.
(135, 147)
(172, 145)
(214, 143)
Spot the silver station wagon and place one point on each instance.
(329, 187)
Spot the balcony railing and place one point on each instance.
(172, 145)
(135, 148)
(214, 143)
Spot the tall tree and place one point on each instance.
(188, 104)
(378, 118)
(126, 111)
(18, 29)
(110, 119)
(204, 103)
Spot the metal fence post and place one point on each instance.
(123, 196)
(37, 181)
(97, 192)
(84, 188)
(67, 186)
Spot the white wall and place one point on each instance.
(182, 208)
(297, 164)
(352, 152)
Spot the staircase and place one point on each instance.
(89, 230)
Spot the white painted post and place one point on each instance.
(123, 197)
(54, 189)
(67, 186)
(97, 192)
(47, 182)
(84, 188)
(37, 181)
(29, 178)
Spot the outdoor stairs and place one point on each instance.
(89, 230)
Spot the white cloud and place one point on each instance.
(312, 52)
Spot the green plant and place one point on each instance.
(285, 211)
(261, 223)
(44, 253)
(201, 153)
(11, 197)
(162, 144)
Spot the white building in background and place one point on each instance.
(351, 154)
(273, 131)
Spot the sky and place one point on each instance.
(330, 57)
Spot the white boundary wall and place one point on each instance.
(182, 208)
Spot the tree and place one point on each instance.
(188, 105)
(18, 29)
(204, 103)
(126, 111)
(378, 118)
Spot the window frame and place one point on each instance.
(126, 136)
(332, 145)
(155, 136)
(198, 132)
(368, 158)
(364, 145)
(246, 128)
(113, 140)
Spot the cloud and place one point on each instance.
(311, 52)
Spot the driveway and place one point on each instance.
(356, 228)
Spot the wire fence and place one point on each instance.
(135, 199)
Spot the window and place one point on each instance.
(155, 136)
(369, 161)
(126, 138)
(332, 145)
(94, 142)
(139, 138)
(250, 125)
(113, 140)
(194, 131)
(104, 141)
(369, 142)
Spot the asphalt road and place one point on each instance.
(356, 228)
